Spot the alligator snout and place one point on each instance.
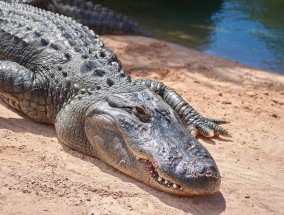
(187, 165)
(204, 178)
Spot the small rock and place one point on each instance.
(251, 93)
(277, 102)
(274, 115)
(226, 102)
(26, 191)
(220, 94)
(247, 196)
(247, 107)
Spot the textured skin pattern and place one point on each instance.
(24, 94)
(56, 71)
(95, 16)
(53, 60)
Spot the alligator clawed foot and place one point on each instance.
(207, 127)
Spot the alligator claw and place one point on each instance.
(207, 127)
(193, 130)
(205, 130)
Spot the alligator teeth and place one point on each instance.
(160, 179)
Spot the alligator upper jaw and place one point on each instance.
(198, 184)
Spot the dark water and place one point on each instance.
(247, 31)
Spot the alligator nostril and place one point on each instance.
(199, 170)
(202, 170)
(211, 172)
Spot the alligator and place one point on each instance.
(56, 71)
(95, 16)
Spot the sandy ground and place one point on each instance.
(40, 176)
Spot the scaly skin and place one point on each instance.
(56, 71)
(95, 16)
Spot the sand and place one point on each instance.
(40, 176)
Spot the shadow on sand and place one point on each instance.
(211, 204)
(25, 124)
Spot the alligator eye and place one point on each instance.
(141, 113)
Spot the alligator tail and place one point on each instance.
(101, 19)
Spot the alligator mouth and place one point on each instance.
(161, 180)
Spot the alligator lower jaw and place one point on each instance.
(168, 184)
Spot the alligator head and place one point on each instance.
(140, 135)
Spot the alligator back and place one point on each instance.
(49, 59)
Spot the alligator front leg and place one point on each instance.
(193, 120)
(23, 90)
